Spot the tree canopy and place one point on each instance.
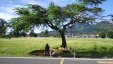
(3, 26)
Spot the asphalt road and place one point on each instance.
(31, 60)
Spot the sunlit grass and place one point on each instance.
(22, 46)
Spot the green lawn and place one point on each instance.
(22, 46)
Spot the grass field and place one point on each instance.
(22, 46)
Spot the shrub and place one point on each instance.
(102, 35)
(110, 34)
(111, 52)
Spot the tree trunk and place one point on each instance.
(64, 44)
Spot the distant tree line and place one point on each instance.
(106, 35)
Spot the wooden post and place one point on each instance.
(50, 53)
(74, 54)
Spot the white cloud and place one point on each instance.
(40, 29)
(30, 1)
(8, 12)
(17, 6)
(8, 9)
(7, 16)
(10, 1)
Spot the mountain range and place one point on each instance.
(86, 28)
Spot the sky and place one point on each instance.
(7, 6)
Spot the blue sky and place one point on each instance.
(7, 6)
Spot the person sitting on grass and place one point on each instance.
(47, 49)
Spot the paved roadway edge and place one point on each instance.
(58, 58)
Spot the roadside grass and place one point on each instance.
(84, 47)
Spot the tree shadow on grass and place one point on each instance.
(37, 52)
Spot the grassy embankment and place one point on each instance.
(85, 47)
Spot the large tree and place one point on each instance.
(56, 17)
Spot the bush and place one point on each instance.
(102, 35)
(111, 52)
(88, 54)
(110, 34)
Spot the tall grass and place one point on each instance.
(22, 46)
